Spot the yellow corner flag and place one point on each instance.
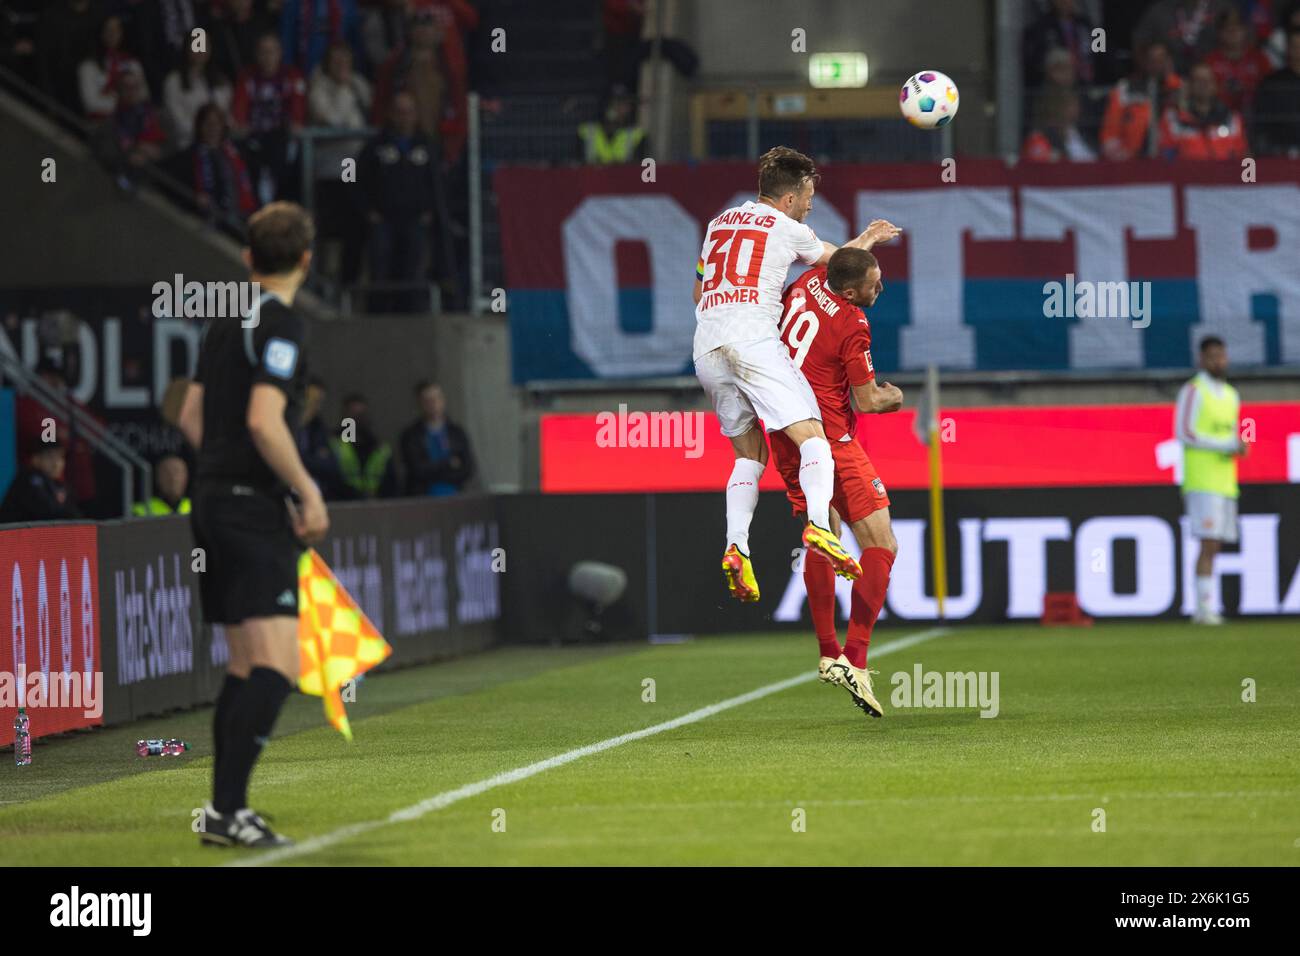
(336, 641)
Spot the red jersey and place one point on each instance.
(1238, 78)
(830, 342)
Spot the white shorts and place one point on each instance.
(757, 379)
(1211, 516)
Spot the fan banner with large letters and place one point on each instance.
(1068, 266)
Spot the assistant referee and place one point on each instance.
(238, 412)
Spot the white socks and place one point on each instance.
(1204, 591)
(817, 479)
(742, 499)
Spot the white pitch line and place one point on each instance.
(447, 798)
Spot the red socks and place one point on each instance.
(868, 599)
(819, 579)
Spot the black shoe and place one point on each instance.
(241, 828)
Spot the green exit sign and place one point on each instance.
(830, 70)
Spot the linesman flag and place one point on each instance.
(336, 641)
(927, 433)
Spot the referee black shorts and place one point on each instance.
(251, 555)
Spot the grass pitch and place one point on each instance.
(1145, 722)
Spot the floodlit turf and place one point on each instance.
(1145, 722)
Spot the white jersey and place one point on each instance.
(747, 252)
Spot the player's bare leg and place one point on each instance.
(817, 481)
(742, 498)
(1205, 583)
(879, 546)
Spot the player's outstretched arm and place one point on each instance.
(878, 399)
(877, 232)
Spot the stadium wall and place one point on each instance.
(120, 360)
(81, 231)
(118, 603)
(1126, 552)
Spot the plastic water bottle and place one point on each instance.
(22, 738)
(161, 748)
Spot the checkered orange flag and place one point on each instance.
(336, 641)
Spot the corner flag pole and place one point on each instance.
(938, 551)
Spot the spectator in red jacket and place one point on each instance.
(1202, 128)
(268, 110)
(1136, 104)
(431, 66)
(1237, 63)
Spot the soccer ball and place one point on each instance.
(928, 99)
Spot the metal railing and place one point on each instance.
(86, 426)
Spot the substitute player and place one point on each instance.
(742, 365)
(829, 340)
(238, 414)
(1206, 422)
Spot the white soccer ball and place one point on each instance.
(929, 99)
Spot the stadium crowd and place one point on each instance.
(1209, 79)
(382, 82)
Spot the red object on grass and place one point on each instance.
(1062, 608)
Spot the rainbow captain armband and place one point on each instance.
(699, 270)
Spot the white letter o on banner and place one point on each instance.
(591, 282)
(1156, 566)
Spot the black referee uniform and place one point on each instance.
(239, 516)
(242, 522)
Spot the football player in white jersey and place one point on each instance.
(742, 363)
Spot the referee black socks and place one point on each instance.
(230, 690)
(252, 719)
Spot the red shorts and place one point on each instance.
(858, 489)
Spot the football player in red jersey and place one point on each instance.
(829, 339)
